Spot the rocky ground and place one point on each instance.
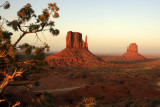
(130, 80)
(124, 83)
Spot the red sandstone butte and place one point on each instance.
(132, 53)
(74, 40)
(76, 53)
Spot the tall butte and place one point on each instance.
(132, 53)
(76, 53)
(74, 40)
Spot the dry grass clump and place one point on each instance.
(88, 102)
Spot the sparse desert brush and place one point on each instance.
(64, 106)
(53, 66)
(44, 100)
(88, 102)
(36, 83)
(155, 103)
(82, 74)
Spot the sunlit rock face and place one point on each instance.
(76, 53)
(132, 48)
(132, 53)
(74, 40)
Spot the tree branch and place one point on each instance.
(9, 78)
(19, 39)
(32, 31)
(25, 32)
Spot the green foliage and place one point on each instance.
(26, 12)
(33, 27)
(26, 48)
(8, 51)
(54, 32)
(13, 24)
(45, 16)
(51, 23)
(6, 5)
(6, 47)
(39, 53)
(6, 36)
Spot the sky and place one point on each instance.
(111, 25)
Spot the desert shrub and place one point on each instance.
(53, 66)
(102, 86)
(82, 74)
(45, 100)
(31, 105)
(36, 83)
(128, 103)
(64, 106)
(88, 102)
(133, 105)
(91, 83)
(69, 100)
(126, 62)
(45, 63)
(26, 48)
(39, 53)
(155, 103)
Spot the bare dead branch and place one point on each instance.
(38, 38)
(2, 100)
(16, 104)
(9, 78)
(4, 4)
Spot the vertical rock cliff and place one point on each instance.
(74, 40)
(76, 53)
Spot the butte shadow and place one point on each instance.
(76, 53)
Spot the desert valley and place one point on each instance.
(129, 80)
(85, 71)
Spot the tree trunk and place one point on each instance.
(19, 39)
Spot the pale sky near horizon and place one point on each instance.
(111, 25)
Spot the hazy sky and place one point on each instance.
(111, 25)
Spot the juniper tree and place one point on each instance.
(24, 23)
(26, 13)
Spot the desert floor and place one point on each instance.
(121, 84)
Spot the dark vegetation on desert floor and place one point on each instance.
(76, 77)
(73, 77)
(123, 83)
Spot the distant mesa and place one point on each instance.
(132, 53)
(76, 53)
